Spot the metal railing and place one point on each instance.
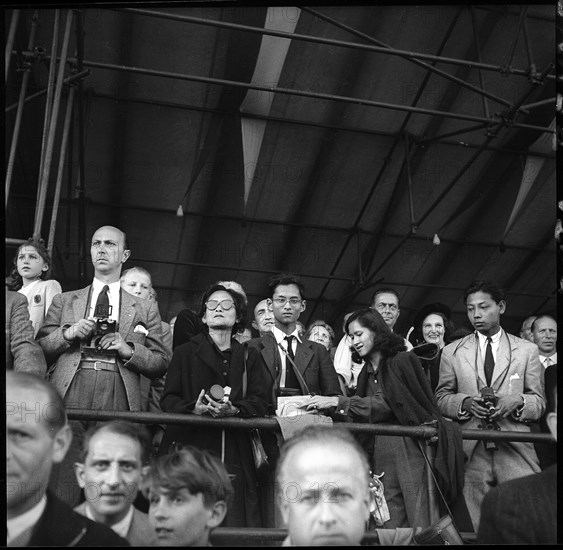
(270, 423)
(272, 536)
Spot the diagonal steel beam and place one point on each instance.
(426, 66)
(328, 41)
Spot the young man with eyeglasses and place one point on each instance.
(283, 349)
(284, 344)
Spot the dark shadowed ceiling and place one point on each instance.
(342, 143)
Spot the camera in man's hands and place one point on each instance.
(489, 401)
(104, 325)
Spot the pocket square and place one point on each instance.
(141, 328)
(514, 376)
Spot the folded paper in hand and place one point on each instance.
(294, 405)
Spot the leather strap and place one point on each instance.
(295, 370)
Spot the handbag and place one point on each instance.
(444, 531)
(259, 454)
(261, 462)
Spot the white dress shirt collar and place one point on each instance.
(280, 335)
(495, 338)
(121, 527)
(552, 360)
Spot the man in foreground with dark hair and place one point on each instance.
(491, 380)
(113, 463)
(38, 436)
(188, 490)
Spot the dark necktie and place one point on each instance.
(489, 362)
(102, 303)
(290, 377)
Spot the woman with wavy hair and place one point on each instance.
(393, 389)
(215, 357)
(431, 330)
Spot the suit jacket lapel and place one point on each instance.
(205, 352)
(271, 354)
(127, 305)
(472, 354)
(502, 362)
(303, 356)
(80, 303)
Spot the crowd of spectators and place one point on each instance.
(106, 348)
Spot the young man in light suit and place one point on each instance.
(100, 372)
(512, 370)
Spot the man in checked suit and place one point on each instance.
(100, 372)
(287, 298)
(510, 367)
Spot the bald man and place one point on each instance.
(99, 340)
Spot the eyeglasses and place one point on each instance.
(293, 302)
(225, 304)
(383, 307)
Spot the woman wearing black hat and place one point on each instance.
(432, 329)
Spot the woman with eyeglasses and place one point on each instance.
(211, 360)
(393, 389)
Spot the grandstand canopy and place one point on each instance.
(358, 146)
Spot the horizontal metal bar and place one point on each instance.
(226, 536)
(270, 423)
(328, 41)
(391, 135)
(549, 100)
(66, 81)
(15, 242)
(301, 93)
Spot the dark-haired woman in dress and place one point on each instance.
(212, 357)
(393, 389)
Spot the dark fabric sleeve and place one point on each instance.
(173, 400)
(328, 379)
(259, 387)
(187, 325)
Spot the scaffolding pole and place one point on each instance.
(56, 199)
(479, 72)
(328, 41)
(68, 80)
(49, 101)
(10, 43)
(19, 114)
(302, 93)
(426, 66)
(44, 175)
